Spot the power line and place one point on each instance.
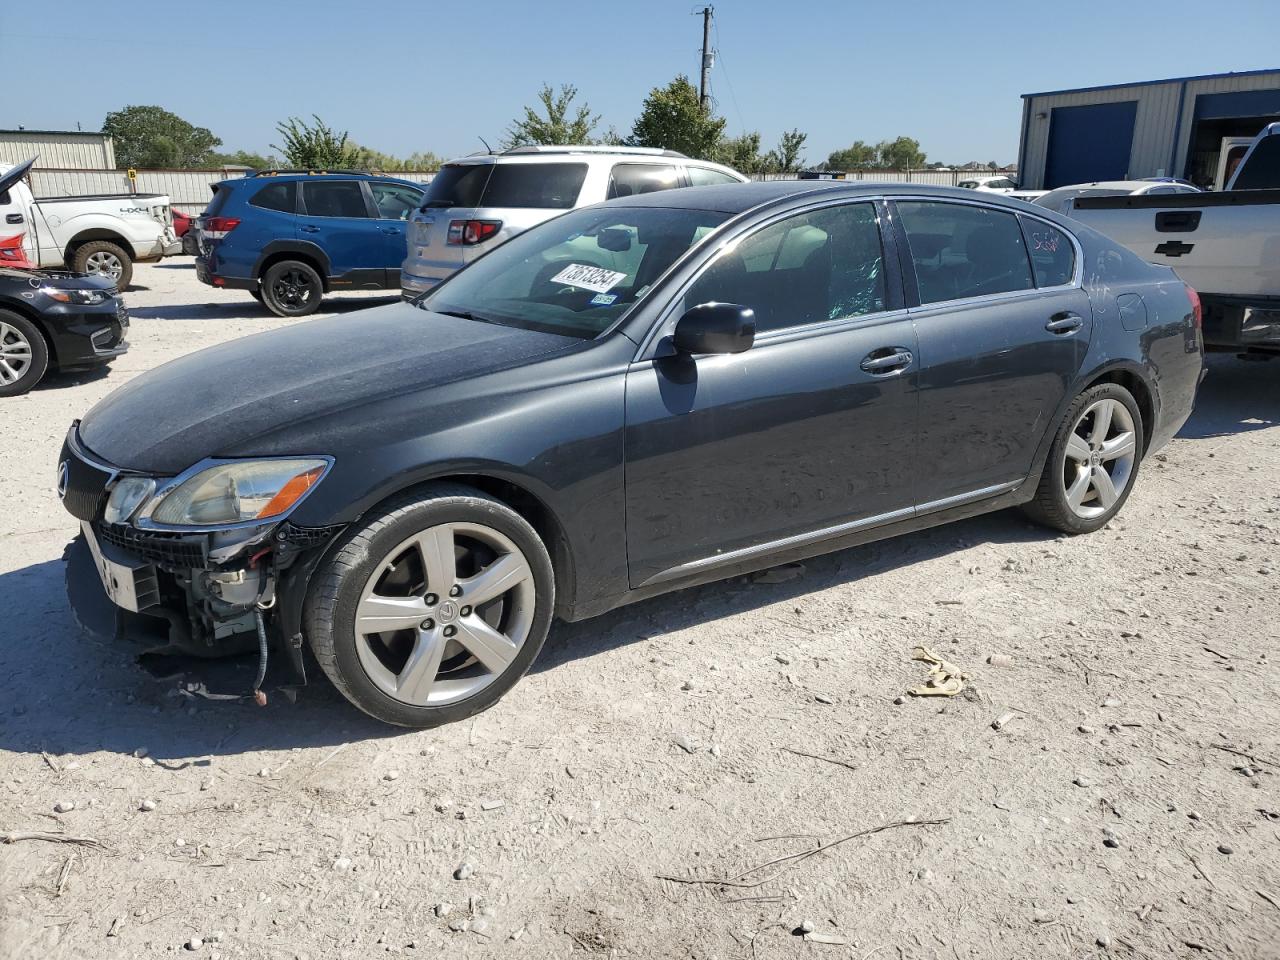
(727, 82)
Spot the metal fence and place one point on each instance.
(188, 190)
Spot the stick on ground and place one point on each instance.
(19, 836)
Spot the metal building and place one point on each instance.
(1157, 128)
(58, 149)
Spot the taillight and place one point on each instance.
(1196, 309)
(215, 228)
(466, 233)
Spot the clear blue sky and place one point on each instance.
(404, 76)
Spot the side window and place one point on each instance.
(277, 196)
(702, 177)
(823, 265)
(1052, 255)
(394, 201)
(960, 250)
(1261, 169)
(629, 179)
(333, 198)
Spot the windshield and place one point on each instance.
(575, 275)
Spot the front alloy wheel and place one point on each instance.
(432, 610)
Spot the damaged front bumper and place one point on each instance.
(209, 593)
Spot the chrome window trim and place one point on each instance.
(649, 342)
(826, 533)
(1077, 277)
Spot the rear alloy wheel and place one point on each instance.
(103, 258)
(1093, 462)
(434, 610)
(291, 288)
(24, 356)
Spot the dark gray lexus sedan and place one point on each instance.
(658, 391)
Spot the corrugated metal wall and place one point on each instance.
(57, 150)
(187, 189)
(1163, 114)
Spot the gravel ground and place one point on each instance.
(1128, 808)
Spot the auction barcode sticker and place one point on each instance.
(589, 278)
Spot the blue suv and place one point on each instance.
(290, 237)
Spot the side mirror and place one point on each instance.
(715, 328)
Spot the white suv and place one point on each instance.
(476, 203)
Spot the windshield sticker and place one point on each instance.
(589, 278)
(603, 299)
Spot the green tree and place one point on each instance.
(859, 156)
(317, 147)
(151, 138)
(672, 119)
(559, 123)
(369, 159)
(785, 158)
(245, 158)
(742, 153)
(901, 154)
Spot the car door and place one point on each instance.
(336, 215)
(997, 350)
(394, 203)
(809, 430)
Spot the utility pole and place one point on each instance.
(706, 58)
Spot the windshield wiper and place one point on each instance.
(461, 314)
(439, 204)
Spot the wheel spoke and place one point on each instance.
(1121, 445)
(1101, 424)
(493, 649)
(1078, 448)
(379, 614)
(493, 581)
(1107, 495)
(416, 678)
(435, 545)
(1079, 487)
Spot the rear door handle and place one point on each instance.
(308, 228)
(14, 218)
(1064, 323)
(886, 360)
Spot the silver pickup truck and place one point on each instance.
(1225, 245)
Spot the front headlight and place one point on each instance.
(239, 492)
(74, 295)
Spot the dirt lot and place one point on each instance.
(1131, 806)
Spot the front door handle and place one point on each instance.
(1064, 323)
(14, 218)
(886, 360)
(308, 228)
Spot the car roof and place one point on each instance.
(740, 197)
(292, 176)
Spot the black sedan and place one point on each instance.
(634, 397)
(54, 320)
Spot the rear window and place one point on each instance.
(218, 201)
(277, 196)
(1261, 170)
(549, 186)
(457, 185)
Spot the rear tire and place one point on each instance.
(105, 259)
(291, 288)
(1093, 463)
(433, 609)
(24, 355)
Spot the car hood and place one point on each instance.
(216, 402)
(62, 279)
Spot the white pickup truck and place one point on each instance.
(1225, 246)
(103, 234)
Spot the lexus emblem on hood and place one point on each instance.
(64, 471)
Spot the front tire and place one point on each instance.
(24, 356)
(104, 259)
(433, 609)
(291, 288)
(1093, 463)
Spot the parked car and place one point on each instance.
(183, 229)
(627, 399)
(102, 234)
(289, 237)
(478, 202)
(1223, 243)
(1063, 199)
(994, 184)
(56, 321)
